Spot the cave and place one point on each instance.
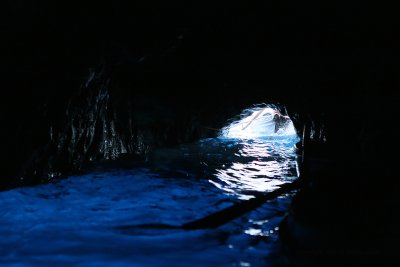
(162, 103)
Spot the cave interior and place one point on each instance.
(158, 74)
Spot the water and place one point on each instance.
(94, 219)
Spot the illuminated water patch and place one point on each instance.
(260, 165)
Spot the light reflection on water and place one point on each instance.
(261, 166)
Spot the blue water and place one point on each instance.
(77, 221)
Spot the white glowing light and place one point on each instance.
(257, 123)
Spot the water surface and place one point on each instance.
(79, 221)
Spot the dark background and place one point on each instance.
(199, 61)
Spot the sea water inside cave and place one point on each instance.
(81, 220)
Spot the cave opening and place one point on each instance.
(260, 121)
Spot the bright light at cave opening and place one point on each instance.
(259, 122)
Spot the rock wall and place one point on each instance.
(90, 82)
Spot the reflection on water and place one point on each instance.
(74, 222)
(262, 166)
